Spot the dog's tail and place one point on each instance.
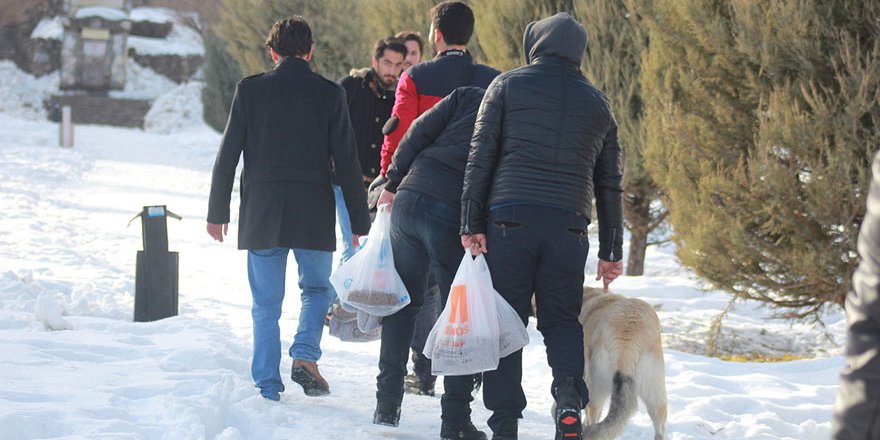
(624, 404)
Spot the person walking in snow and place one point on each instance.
(424, 186)
(545, 142)
(370, 94)
(857, 410)
(420, 88)
(288, 123)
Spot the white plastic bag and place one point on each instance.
(513, 334)
(368, 281)
(344, 325)
(368, 323)
(466, 337)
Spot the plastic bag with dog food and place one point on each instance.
(466, 337)
(347, 325)
(368, 281)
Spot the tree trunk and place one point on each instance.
(638, 244)
(637, 210)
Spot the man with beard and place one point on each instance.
(370, 93)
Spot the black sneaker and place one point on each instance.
(387, 414)
(568, 424)
(461, 432)
(507, 430)
(412, 384)
(568, 411)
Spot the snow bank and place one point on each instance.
(21, 94)
(182, 40)
(142, 83)
(49, 29)
(154, 15)
(101, 12)
(178, 109)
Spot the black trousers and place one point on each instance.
(541, 250)
(424, 236)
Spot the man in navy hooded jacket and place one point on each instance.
(545, 143)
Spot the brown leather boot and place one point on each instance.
(306, 374)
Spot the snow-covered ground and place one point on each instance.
(63, 234)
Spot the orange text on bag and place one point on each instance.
(458, 317)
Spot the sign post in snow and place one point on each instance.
(156, 274)
(66, 135)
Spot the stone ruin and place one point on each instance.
(94, 44)
(93, 50)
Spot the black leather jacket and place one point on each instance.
(545, 135)
(433, 154)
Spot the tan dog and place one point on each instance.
(624, 360)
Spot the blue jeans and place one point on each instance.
(348, 249)
(424, 237)
(266, 274)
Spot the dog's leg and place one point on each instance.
(598, 378)
(594, 410)
(658, 416)
(652, 390)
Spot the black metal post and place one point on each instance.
(156, 275)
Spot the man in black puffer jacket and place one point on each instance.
(545, 142)
(426, 173)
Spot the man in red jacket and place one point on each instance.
(425, 84)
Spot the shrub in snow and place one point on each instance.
(761, 135)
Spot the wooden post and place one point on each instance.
(66, 135)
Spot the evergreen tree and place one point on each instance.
(221, 75)
(388, 17)
(617, 39)
(337, 27)
(613, 63)
(762, 117)
(500, 25)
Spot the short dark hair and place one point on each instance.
(412, 36)
(455, 20)
(391, 44)
(290, 37)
